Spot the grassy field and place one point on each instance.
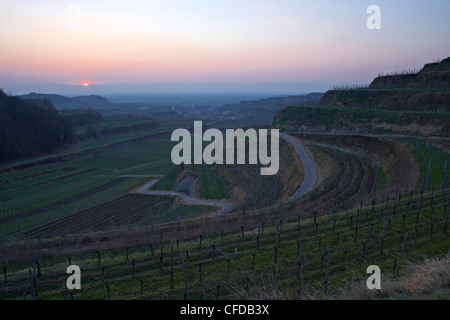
(213, 186)
(167, 183)
(432, 162)
(123, 121)
(41, 194)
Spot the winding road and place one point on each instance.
(308, 165)
(226, 207)
(306, 186)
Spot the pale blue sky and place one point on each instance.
(321, 42)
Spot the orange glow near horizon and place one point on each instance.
(213, 41)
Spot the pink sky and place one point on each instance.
(215, 41)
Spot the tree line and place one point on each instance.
(31, 127)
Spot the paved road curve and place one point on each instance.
(306, 186)
(308, 164)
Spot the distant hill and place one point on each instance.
(56, 99)
(92, 99)
(426, 90)
(62, 102)
(267, 108)
(104, 106)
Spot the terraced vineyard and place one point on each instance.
(433, 163)
(168, 181)
(121, 212)
(311, 257)
(39, 191)
(355, 180)
(363, 210)
(63, 201)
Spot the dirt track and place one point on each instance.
(226, 207)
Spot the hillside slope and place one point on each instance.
(433, 75)
(427, 90)
(266, 109)
(354, 120)
(414, 104)
(393, 99)
(62, 102)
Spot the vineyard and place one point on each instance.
(124, 211)
(213, 186)
(432, 161)
(309, 258)
(222, 155)
(372, 119)
(377, 201)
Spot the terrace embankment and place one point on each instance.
(396, 158)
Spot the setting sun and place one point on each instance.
(85, 84)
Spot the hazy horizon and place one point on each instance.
(265, 89)
(282, 47)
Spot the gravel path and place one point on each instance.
(226, 207)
